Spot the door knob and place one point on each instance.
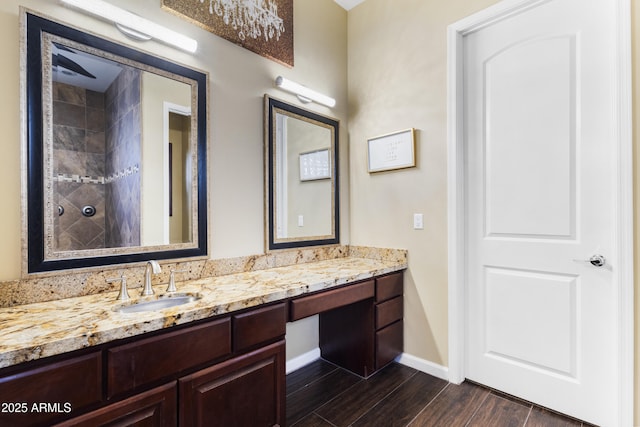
(595, 260)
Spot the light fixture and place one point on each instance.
(303, 93)
(134, 25)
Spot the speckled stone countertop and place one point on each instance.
(37, 330)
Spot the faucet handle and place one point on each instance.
(123, 295)
(172, 279)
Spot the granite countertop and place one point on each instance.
(38, 330)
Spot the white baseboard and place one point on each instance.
(406, 359)
(303, 360)
(425, 366)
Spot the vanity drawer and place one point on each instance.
(258, 326)
(328, 300)
(388, 286)
(68, 385)
(389, 342)
(150, 359)
(388, 312)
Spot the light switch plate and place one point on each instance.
(418, 221)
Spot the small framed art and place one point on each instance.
(315, 165)
(392, 151)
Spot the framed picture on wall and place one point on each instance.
(392, 151)
(264, 27)
(315, 165)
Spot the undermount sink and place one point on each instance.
(159, 303)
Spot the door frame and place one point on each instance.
(167, 108)
(623, 198)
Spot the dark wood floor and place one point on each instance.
(323, 395)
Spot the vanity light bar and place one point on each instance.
(304, 93)
(134, 22)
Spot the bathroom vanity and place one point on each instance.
(217, 361)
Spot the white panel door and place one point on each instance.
(539, 138)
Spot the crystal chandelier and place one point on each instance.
(252, 18)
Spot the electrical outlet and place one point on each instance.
(418, 221)
(300, 220)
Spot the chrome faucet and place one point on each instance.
(152, 267)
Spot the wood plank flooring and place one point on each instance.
(323, 395)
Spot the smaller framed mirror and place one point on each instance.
(301, 177)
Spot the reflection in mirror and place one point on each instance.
(301, 174)
(116, 143)
(98, 120)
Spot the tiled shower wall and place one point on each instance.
(96, 147)
(122, 221)
(78, 151)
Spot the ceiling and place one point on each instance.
(104, 70)
(348, 4)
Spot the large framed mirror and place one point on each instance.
(114, 152)
(301, 177)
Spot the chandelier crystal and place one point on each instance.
(250, 18)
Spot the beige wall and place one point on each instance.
(311, 199)
(397, 79)
(156, 90)
(238, 80)
(180, 138)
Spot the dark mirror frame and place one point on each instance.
(35, 151)
(272, 104)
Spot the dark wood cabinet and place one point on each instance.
(365, 336)
(389, 344)
(135, 383)
(346, 337)
(389, 286)
(389, 312)
(248, 390)
(228, 370)
(154, 408)
(257, 326)
(43, 393)
(146, 360)
(327, 300)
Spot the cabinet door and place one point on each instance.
(245, 391)
(53, 391)
(153, 408)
